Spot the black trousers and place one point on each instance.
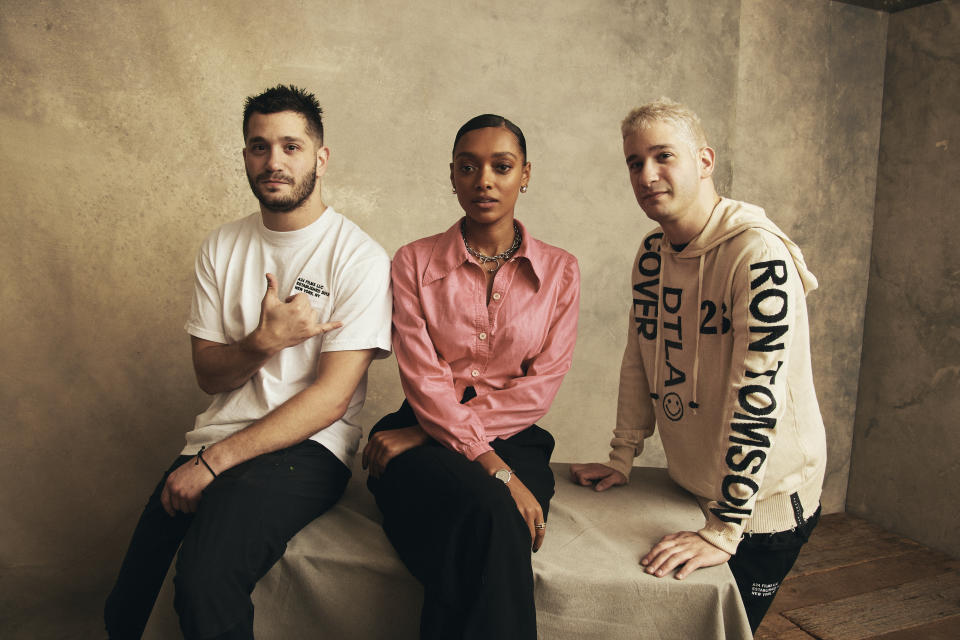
(761, 563)
(459, 532)
(245, 519)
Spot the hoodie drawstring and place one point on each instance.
(696, 341)
(655, 394)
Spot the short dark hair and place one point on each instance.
(491, 120)
(287, 98)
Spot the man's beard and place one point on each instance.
(282, 204)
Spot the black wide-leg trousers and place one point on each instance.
(245, 519)
(459, 532)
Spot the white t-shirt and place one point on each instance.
(346, 277)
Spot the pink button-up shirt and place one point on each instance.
(513, 351)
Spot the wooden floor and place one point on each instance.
(854, 580)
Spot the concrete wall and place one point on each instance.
(121, 149)
(905, 474)
(808, 114)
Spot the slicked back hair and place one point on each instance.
(287, 98)
(680, 116)
(495, 121)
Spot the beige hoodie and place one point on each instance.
(718, 355)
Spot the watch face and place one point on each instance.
(502, 475)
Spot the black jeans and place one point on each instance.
(459, 532)
(761, 563)
(245, 519)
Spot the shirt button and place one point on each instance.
(496, 296)
(483, 336)
(475, 373)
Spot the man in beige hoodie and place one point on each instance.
(717, 356)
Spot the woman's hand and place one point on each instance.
(527, 504)
(529, 508)
(384, 446)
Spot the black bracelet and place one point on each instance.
(200, 459)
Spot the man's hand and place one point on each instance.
(684, 548)
(184, 486)
(286, 323)
(225, 367)
(599, 475)
(384, 446)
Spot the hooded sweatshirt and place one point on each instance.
(718, 355)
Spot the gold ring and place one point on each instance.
(540, 525)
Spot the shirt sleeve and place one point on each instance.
(206, 318)
(765, 290)
(524, 400)
(363, 305)
(428, 380)
(636, 420)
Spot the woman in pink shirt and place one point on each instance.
(484, 324)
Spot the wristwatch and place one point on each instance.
(503, 475)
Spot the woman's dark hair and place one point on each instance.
(492, 120)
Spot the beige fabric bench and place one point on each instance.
(341, 579)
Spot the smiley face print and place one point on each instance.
(673, 406)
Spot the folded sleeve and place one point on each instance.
(206, 308)
(363, 305)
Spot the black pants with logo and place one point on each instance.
(761, 563)
(245, 519)
(459, 532)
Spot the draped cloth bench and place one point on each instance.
(341, 579)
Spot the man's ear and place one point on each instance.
(323, 157)
(706, 158)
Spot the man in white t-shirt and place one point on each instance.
(290, 306)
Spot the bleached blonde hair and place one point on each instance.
(664, 109)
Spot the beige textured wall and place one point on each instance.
(905, 473)
(121, 149)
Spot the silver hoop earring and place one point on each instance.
(523, 188)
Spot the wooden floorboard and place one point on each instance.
(843, 540)
(827, 586)
(776, 627)
(946, 629)
(856, 580)
(868, 615)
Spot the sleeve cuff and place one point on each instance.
(720, 539)
(475, 450)
(205, 334)
(621, 459)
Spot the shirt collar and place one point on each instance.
(449, 253)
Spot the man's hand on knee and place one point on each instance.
(599, 475)
(384, 446)
(184, 486)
